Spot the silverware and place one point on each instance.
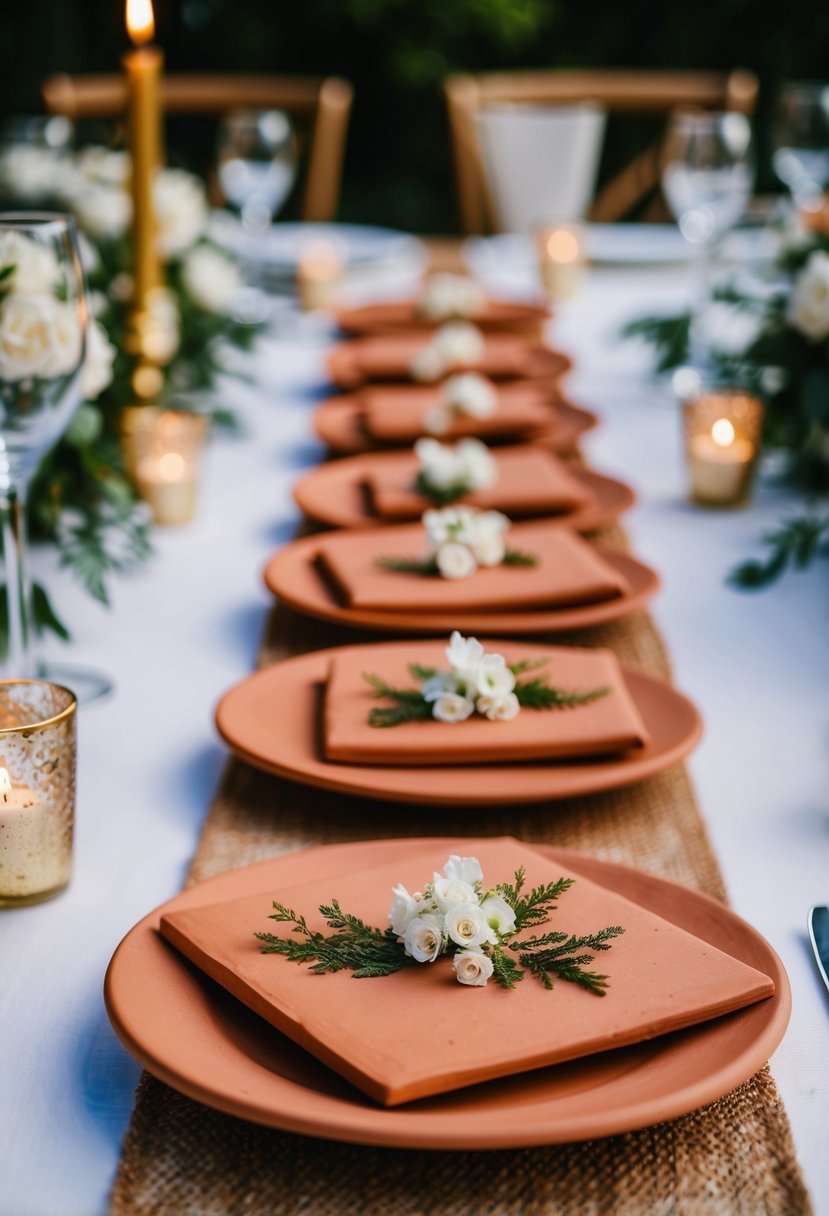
(819, 937)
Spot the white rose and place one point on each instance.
(427, 365)
(458, 343)
(29, 172)
(808, 308)
(35, 265)
(402, 911)
(472, 968)
(450, 523)
(180, 210)
(451, 295)
(470, 394)
(105, 165)
(478, 467)
(67, 341)
(105, 212)
(100, 356)
(211, 278)
(438, 463)
(468, 869)
(499, 708)
(27, 336)
(492, 676)
(449, 892)
(437, 420)
(452, 707)
(455, 561)
(435, 686)
(489, 549)
(423, 939)
(464, 655)
(499, 914)
(467, 925)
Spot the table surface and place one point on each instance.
(187, 626)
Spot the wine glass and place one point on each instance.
(43, 325)
(257, 164)
(706, 176)
(800, 139)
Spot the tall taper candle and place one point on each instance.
(143, 68)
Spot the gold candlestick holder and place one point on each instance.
(723, 431)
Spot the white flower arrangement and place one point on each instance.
(41, 337)
(446, 472)
(459, 541)
(456, 916)
(455, 344)
(451, 295)
(808, 308)
(476, 682)
(467, 395)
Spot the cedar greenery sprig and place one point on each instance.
(370, 953)
(428, 567)
(441, 496)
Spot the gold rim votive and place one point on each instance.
(723, 433)
(37, 790)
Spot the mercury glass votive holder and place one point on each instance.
(561, 259)
(162, 451)
(723, 432)
(37, 790)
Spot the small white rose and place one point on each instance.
(35, 265)
(451, 295)
(180, 210)
(468, 869)
(423, 938)
(466, 925)
(27, 336)
(478, 467)
(437, 463)
(808, 308)
(455, 561)
(211, 278)
(450, 892)
(472, 968)
(427, 365)
(103, 211)
(67, 343)
(459, 344)
(471, 394)
(464, 654)
(501, 708)
(402, 911)
(29, 173)
(499, 914)
(489, 549)
(493, 677)
(451, 707)
(105, 165)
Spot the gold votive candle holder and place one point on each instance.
(723, 431)
(319, 275)
(561, 259)
(162, 453)
(37, 790)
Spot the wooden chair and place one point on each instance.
(323, 103)
(633, 93)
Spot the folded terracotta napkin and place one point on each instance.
(389, 357)
(569, 571)
(406, 314)
(530, 481)
(419, 1032)
(397, 414)
(606, 726)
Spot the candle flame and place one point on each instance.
(563, 245)
(171, 466)
(5, 782)
(140, 21)
(722, 432)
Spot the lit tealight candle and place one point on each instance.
(720, 463)
(35, 855)
(167, 483)
(319, 275)
(560, 259)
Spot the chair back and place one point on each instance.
(323, 103)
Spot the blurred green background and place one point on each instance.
(397, 52)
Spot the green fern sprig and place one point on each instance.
(354, 946)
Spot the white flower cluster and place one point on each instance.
(466, 395)
(453, 915)
(462, 538)
(808, 308)
(451, 295)
(477, 681)
(456, 344)
(40, 334)
(469, 465)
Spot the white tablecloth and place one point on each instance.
(187, 626)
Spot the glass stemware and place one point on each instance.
(706, 176)
(257, 164)
(43, 325)
(801, 141)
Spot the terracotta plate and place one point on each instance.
(272, 720)
(396, 315)
(293, 577)
(191, 1034)
(334, 493)
(539, 362)
(337, 422)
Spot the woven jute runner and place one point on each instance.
(734, 1157)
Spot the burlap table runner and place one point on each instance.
(734, 1157)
